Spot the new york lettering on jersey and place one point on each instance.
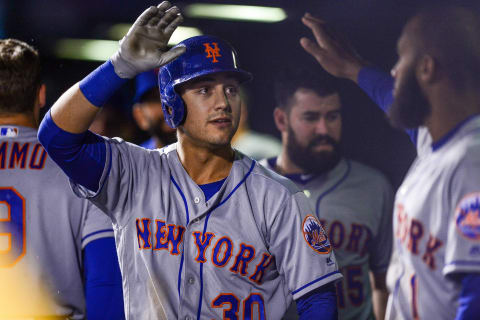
(432, 249)
(217, 258)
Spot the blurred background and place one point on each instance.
(74, 37)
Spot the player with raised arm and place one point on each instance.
(434, 273)
(202, 231)
(61, 248)
(352, 201)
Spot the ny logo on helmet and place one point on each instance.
(212, 52)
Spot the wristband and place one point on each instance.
(101, 84)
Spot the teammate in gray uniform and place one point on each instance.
(434, 273)
(202, 231)
(61, 249)
(352, 201)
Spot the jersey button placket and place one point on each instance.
(196, 200)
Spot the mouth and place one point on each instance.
(221, 122)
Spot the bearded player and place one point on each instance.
(434, 273)
(352, 201)
(202, 231)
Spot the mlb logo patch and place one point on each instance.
(467, 216)
(8, 132)
(315, 235)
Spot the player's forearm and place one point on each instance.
(379, 294)
(379, 298)
(73, 112)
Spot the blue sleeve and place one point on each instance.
(469, 300)
(103, 281)
(321, 301)
(81, 156)
(378, 85)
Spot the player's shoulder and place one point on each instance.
(273, 181)
(368, 173)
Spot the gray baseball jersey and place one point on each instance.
(354, 204)
(436, 227)
(243, 254)
(43, 229)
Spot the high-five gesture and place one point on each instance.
(334, 55)
(144, 47)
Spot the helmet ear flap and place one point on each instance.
(172, 103)
(173, 107)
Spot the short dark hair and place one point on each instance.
(290, 79)
(20, 77)
(450, 33)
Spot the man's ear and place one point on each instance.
(427, 69)
(139, 117)
(281, 119)
(42, 96)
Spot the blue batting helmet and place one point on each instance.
(204, 55)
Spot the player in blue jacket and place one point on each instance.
(202, 231)
(434, 272)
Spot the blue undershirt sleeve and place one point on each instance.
(378, 85)
(103, 281)
(321, 301)
(469, 300)
(81, 156)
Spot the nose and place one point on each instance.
(393, 72)
(221, 100)
(321, 127)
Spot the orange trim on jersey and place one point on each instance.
(260, 268)
(226, 302)
(251, 307)
(24, 231)
(7, 234)
(171, 230)
(242, 261)
(204, 237)
(143, 231)
(18, 155)
(333, 225)
(353, 279)
(164, 240)
(354, 238)
(41, 163)
(219, 251)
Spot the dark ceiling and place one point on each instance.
(372, 26)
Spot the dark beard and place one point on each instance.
(166, 138)
(310, 161)
(410, 107)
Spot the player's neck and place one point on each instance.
(18, 119)
(286, 166)
(205, 165)
(448, 112)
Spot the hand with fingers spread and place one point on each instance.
(144, 47)
(334, 55)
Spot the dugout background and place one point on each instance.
(372, 26)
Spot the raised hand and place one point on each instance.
(144, 47)
(333, 54)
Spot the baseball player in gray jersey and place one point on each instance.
(202, 231)
(61, 249)
(434, 272)
(352, 201)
